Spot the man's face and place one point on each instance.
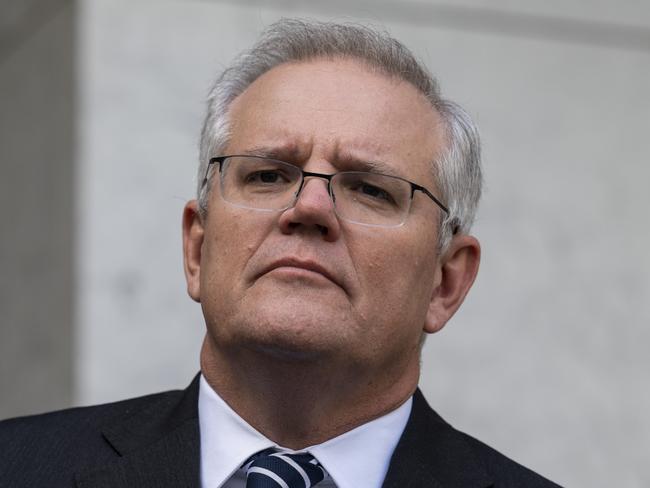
(301, 283)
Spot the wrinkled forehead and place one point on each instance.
(339, 108)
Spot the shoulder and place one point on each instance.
(52, 446)
(433, 453)
(507, 472)
(75, 423)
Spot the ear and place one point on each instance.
(455, 274)
(193, 232)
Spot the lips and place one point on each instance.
(306, 264)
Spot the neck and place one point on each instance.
(299, 402)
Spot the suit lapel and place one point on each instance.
(431, 453)
(158, 446)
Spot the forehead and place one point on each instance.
(337, 110)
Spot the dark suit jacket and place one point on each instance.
(153, 441)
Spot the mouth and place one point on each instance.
(299, 266)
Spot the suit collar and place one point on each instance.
(158, 445)
(431, 453)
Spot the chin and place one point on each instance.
(290, 334)
(283, 327)
(287, 352)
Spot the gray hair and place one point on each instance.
(457, 169)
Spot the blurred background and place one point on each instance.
(101, 103)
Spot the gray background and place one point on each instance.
(100, 107)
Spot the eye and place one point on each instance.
(267, 177)
(374, 192)
(371, 191)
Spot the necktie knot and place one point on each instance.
(270, 469)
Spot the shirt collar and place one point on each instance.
(359, 457)
(227, 440)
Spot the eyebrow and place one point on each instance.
(351, 162)
(290, 153)
(344, 160)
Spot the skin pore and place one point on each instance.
(314, 323)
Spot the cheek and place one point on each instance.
(398, 273)
(396, 278)
(230, 242)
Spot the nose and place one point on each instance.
(313, 211)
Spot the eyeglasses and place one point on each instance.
(360, 197)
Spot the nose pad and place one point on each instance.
(302, 195)
(312, 209)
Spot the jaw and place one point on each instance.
(297, 400)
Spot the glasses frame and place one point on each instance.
(308, 174)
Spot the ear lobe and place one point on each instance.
(193, 233)
(455, 274)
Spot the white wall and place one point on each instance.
(547, 360)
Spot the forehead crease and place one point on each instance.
(350, 146)
(290, 149)
(363, 158)
(270, 140)
(278, 142)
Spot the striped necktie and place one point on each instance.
(270, 469)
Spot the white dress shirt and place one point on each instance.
(357, 458)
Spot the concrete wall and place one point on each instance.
(547, 359)
(37, 194)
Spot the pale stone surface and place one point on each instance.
(36, 213)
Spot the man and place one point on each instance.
(329, 236)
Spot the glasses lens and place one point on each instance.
(259, 183)
(371, 199)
